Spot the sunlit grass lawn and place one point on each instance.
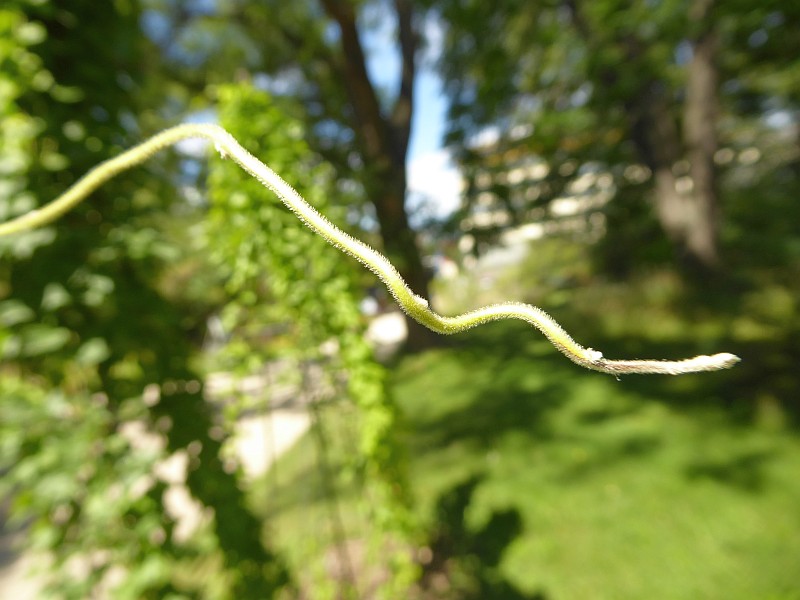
(639, 488)
(620, 494)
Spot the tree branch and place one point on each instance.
(369, 121)
(404, 104)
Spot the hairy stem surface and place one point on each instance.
(414, 305)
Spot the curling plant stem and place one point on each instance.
(415, 306)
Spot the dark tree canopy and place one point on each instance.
(646, 92)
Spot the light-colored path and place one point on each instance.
(14, 583)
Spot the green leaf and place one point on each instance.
(43, 339)
(93, 351)
(13, 312)
(55, 296)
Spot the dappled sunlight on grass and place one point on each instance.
(622, 493)
(593, 487)
(615, 490)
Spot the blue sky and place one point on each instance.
(433, 179)
(434, 182)
(383, 64)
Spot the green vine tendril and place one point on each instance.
(413, 305)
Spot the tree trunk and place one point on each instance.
(400, 245)
(685, 192)
(384, 138)
(682, 161)
(699, 125)
(685, 179)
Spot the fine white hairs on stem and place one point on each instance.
(415, 306)
(221, 151)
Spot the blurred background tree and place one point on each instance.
(314, 295)
(651, 100)
(312, 55)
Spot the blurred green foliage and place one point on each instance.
(599, 99)
(536, 479)
(315, 57)
(535, 482)
(278, 272)
(86, 329)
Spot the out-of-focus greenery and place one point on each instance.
(315, 56)
(539, 481)
(87, 328)
(105, 313)
(601, 98)
(533, 477)
(313, 293)
(620, 490)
